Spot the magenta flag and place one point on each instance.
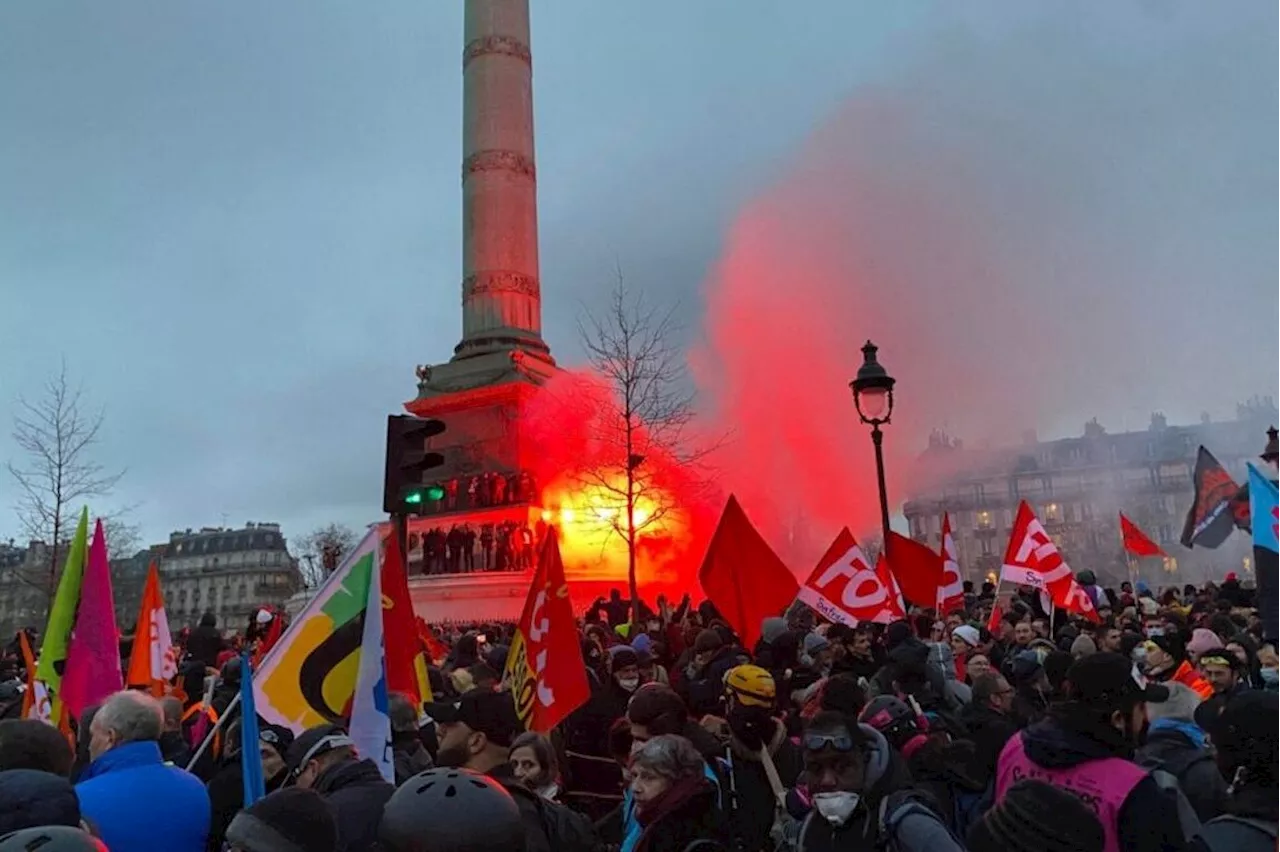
(93, 660)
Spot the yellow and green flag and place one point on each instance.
(62, 615)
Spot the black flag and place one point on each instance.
(1214, 512)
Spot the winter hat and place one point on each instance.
(1203, 639)
(1083, 646)
(708, 640)
(968, 634)
(772, 628)
(896, 633)
(288, 820)
(277, 736)
(1037, 817)
(815, 643)
(621, 656)
(30, 798)
(642, 643)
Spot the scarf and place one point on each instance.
(647, 813)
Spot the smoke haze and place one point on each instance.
(1040, 218)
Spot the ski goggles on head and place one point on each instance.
(837, 742)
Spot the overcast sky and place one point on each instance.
(239, 222)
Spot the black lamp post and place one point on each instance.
(873, 397)
(1271, 454)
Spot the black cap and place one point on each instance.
(1109, 680)
(490, 713)
(312, 743)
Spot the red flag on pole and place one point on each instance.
(1032, 559)
(1136, 541)
(406, 664)
(843, 588)
(544, 666)
(951, 589)
(917, 569)
(743, 577)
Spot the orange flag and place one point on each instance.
(406, 664)
(153, 662)
(743, 577)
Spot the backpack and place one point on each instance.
(894, 810)
(566, 829)
(1168, 784)
(969, 806)
(1237, 834)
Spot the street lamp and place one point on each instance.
(1271, 454)
(873, 397)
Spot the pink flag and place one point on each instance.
(93, 660)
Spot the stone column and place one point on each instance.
(501, 297)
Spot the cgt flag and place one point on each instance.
(951, 589)
(1264, 511)
(544, 666)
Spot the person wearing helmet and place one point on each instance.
(451, 810)
(324, 759)
(52, 838)
(753, 735)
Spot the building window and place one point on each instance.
(1170, 565)
(979, 493)
(984, 519)
(1052, 512)
(1166, 534)
(985, 543)
(1247, 564)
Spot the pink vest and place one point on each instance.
(1103, 785)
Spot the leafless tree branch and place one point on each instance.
(322, 550)
(56, 433)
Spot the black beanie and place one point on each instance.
(1037, 817)
(289, 820)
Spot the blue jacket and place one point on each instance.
(139, 803)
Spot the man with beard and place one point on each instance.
(476, 733)
(1086, 746)
(755, 737)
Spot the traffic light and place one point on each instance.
(406, 488)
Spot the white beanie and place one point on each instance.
(969, 634)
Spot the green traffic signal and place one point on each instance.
(435, 492)
(418, 496)
(413, 498)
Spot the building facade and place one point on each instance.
(228, 572)
(1078, 487)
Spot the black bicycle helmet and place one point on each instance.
(52, 838)
(451, 810)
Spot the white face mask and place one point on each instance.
(629, 684)
(836, 808)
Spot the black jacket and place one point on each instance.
(1148, 819)
(205, 644)
(752, 802)
(549, 827)
(356, 792)
(1197, 772)
(1250, 810)
(696, 818)
(989, 730)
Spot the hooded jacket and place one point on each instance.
(356, 793)
(1180, 749)
(753, 805)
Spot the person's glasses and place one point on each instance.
(838, 742)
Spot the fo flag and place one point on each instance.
(1213, 513)
(845, 589)
(1032, 559)
(1264, 510)
(544, 666)
(951, 589)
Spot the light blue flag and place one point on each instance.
(1264, 517)
(370, 716)
(255, 786)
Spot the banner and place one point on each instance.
(545, 670)
(93, 657)
(309, 678)
(154, 661)
(1264, 511)
(370, 710)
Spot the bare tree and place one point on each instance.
(57, 435)
(631, 345)
(322, 550)
(123, 538)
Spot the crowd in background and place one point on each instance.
(1153, 730)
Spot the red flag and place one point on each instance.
(844, 589)
(544, 666)
(743, 577)
(895, 608)
(434, 646)
(406, 664)
(951, 589)
(1032, 559)
(993, 622)
(1136, 541)
(29, 661)
(916, 568)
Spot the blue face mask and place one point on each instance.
(1271, 677)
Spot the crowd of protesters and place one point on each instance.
(1154, 730)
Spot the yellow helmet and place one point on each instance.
(751, 685)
